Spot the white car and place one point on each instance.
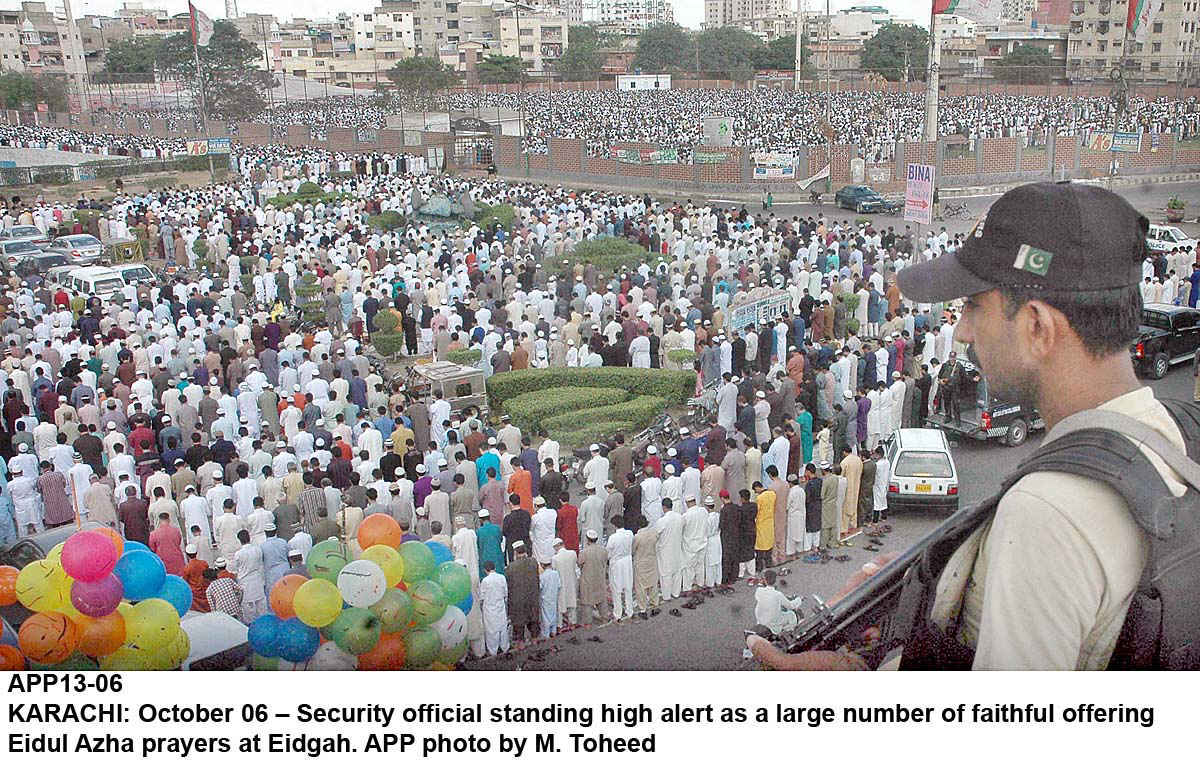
(1166, 238)
(922, 470)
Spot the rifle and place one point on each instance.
(865, 620)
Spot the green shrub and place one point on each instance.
(388, 344)
(467, 357)
(593, 432)
(852, 300)
(852, 325)
(531, 409)
(388, 220)
(386, 321)
(505, 214)
(609, 254)
(640, 412)
(200, 247)
(681, 356)
(310, 189)
(672, 385)
(308, 300)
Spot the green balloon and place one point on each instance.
(429, 602)
(326, 559)
(395, 610)
(421, 647)
(263, 664)
(356, 630)
(455, 581)
(419, 563)
(76, 662)
(453, 655)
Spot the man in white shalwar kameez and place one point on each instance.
(669, 549)
(565, 563)
(591, 513)
(652, 496)
(493, 598)
(595, 469)
(465, 547)
(541, 529)
(727, 395)
(794, 543)
(79, 479)
(695, 541)
(712, 552)
(620, 570)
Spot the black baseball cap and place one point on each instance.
(1065, 237)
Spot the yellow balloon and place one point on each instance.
(317, 602)
(388, 559)
(124, 607)
(55, 554)
(69, 609)
(151, 625)
(177, 651)
(43, 586)
(125, 658)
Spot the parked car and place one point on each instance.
(1166, 238)
(39, 264)
(29, 233)
(922, 470)
(14, 251)
(135, 273)
(1169, 334)
(81, 249)
(93, 280)
(863, 199)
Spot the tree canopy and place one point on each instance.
(582, 60)
(501, 69)
(665, 48)
(729, 52)
(20, 90)
(885, 52)
(421, 76)
(234, 86)
(134, 55)
(1025, 64)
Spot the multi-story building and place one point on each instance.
(997, 42)
(41, 42)
(1097, 42)
(630, 17)
(1018, 10)
(951, 27)
(538, 38)
(728, 13)
(863, 21)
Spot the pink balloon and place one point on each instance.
(97, 598)
(89, 556)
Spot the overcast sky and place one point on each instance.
(689, 13)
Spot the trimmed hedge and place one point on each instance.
(609, 254)
(639, 412)
(681, 356)
(506, 215)
(536, 408)
(593, 432)
(671, 385)
(467, 357)
(388, 220)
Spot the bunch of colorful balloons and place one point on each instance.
(399, 605)
(99, 601)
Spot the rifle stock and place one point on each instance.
(862, 621)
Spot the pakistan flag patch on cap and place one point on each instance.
(1033, 260)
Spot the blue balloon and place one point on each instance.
(441, 553)
(296, 641)
(465, 604)
(263, 635)
(131, 545)
(142, 574)
(177, 592)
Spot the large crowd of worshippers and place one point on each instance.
(199, 416)
(765, 119)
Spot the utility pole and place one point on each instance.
(801, 33)
(931, 89)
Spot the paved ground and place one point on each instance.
(710, 637)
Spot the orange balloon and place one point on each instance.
(101, 635)
(11, 659)
(388, 654)
(283, 593)
(379, 529)
(48, 637)
(116, 538)
(8, 585)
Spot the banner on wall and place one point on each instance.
(710, 157)
(644, 156)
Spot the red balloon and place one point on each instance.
(283, 593)
(8, 585)
(388, 654)
(101, 635)
(379, 529)
(49, 637)
(11, 659)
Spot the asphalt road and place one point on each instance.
(710, 636)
